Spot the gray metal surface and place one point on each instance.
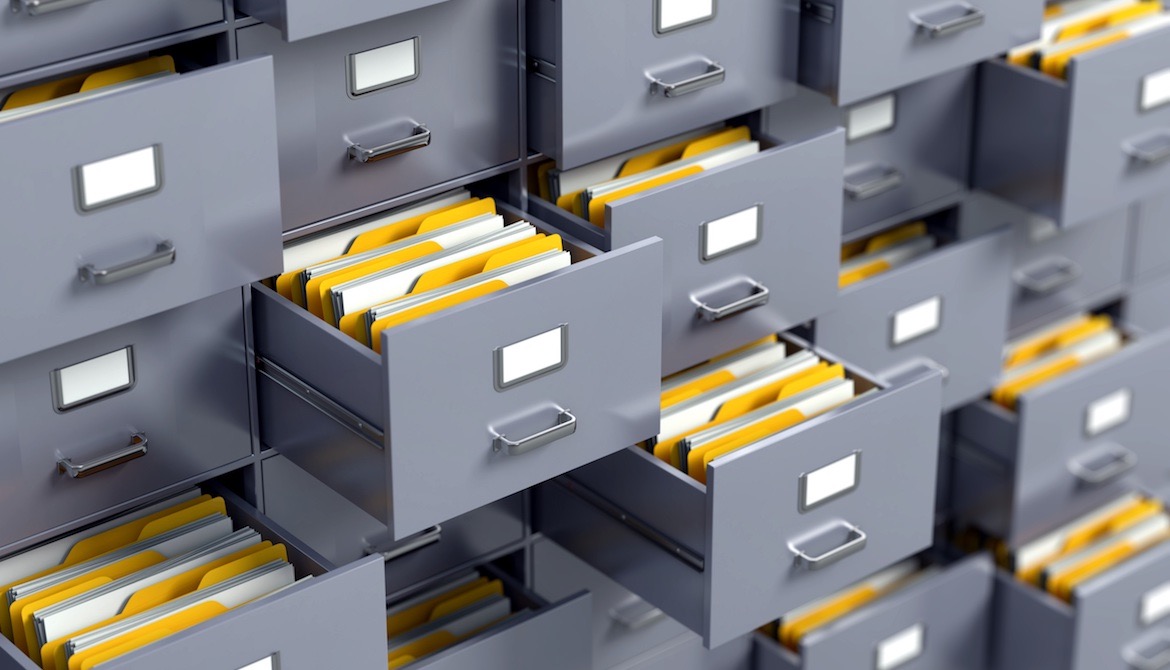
(687, 653)
(596, 98)
(300, 19)
(222, 216)
(466, 93)
(1148, 304)
(1151, 237)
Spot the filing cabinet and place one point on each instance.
(610, 75)
(1076, 149)
(38, 32)
(851, 50)
(389, 107)
(151, 207)
(855, 493)
(300, 19)
(750, 248)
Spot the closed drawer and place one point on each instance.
(348, 621)
(940, 621)
(949, 306)
(448, 377)
(146, 196)
(1076, 149)
(389, 107)
(36, 33)
(1073, 442)
(298, 19)
(1152, 232)
(177, 380)
(1148, 304)
(1057, 272)
(1115, 622)
(762, 536)
(610, 75)
(749, 248)
(854, 49)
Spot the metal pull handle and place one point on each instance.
(636, 614)
(36, 7)
(1149, 150)
(854, 542)
(1104, 465)
(409, 545)
(871, 180)
(421, 137)
(566, 425)
(758, 297)
(1047, 276)
(164, 255)
(1151, 653)
(136, 449)
(948, 20)
(715, 74)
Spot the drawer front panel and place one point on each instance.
(1120, 614)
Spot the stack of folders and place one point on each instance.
(794, 626)
(103, 592)
(85, 86)
(883, 252)
(584, 191)
(443, 616)
(1079, 26)
(399, 267)
(1090, 546)
(1050, 352)
(741, 398)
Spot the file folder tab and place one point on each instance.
(830, 482)
(119, 178)
(532, 357)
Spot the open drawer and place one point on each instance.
(474, 403)
(749, 247)
(148, 204)
(784, 521)
(1078, 148)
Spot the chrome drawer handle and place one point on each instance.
(854, 543)
(409, 545)
(35, 7)
(759, 297)
(566, 425)
(136, 449)
(1149, 150)
(715, 74)
(1150, 653)
(419, 138)
(871, 181)
(164, 255)
(1047, 276)
(1100, 468)
(943, 22)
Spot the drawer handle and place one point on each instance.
(566, 425)
(419, 138)
(636, 615)
(1099, 468)
(759, 297)
(943, 22)
(871, 181)
(35, 7)
(136, 449)
(163, 255)
(854, 542)
(1149, 150)
(1149, 654)
(715, 74)
(409, 545)
(1047, 276)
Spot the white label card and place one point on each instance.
(531, 358)
(675, 14)
(93, 379)
(263, 664)
(382, 67)
(901, 648)
(732, 232)
(870, 118)
(1155, 604)
(1108, 412)
(832, 481)
(917, 320)
(1156, 90)
(112, 180)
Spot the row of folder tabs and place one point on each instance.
(1079, 26)
(79, 87)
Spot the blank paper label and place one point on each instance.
(732, 232)
(917, 320)
(673, 14)
(1155, 604)
(118, 178)
(829, 482)
(1156, 90)
(385, 66)
(263, 664)
(531, 357)
(900, 648)
(94, 378)
(1108, 412)
(870, 118)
